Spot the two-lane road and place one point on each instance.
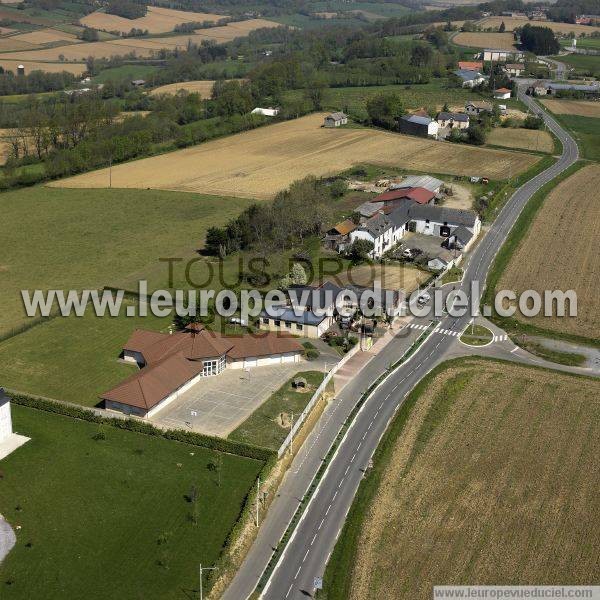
(306, 555)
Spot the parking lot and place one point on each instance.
(431, 245)
(217, 405)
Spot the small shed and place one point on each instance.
(502, 93)
(335, 119)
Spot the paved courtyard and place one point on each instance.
(217, 405)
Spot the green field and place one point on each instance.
(586, 42)
(109, 518)
(75, 239)
(125, 72)
(581, 63)
(587, 133)
(434, 94)
(262, 427)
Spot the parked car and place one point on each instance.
(423, 298)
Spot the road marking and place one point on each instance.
(313, 540)
(289, 590)
(353, 457)
(321, 524)
(306, 555)
(347, 469)
(297, 573)
(328, 509)
(334, 496)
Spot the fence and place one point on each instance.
(315, 398)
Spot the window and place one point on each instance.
(265, 321)
(299, 327)
(427, 221)
(288, 325)
(277, 323)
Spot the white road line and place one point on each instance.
(297, 573)
(289, 590)
(328, 509)
(321, 524)
(306, 555)
(313, 540)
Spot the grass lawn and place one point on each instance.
(266, 427)
(75, 239)
(109, 518)
(71, 358)
(353, 99)
(476, 336)
(486, 470)
(586, 131)
(125, 72)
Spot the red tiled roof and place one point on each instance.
(418, 194)
(172, 360)
(502, 90)
(466, 65)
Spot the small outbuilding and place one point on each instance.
(502, 93)
(476, 107)
(418, 125)
(336, 119)
(266, 112)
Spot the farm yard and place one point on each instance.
(157, 20)
(524, 139)
(261, 162)
(166, 224)
(450, 499)
(512, 23)
(74, 491)
(390, 276)
(563, 234)
(475, 39)
(582, 108)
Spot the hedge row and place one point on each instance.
(178, 435)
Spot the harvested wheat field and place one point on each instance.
(157, 20)
(561, 253)
(46, 36)
(493, 481)
(525, 139)
(142, 47)
(261, 162)
(204, 88)
(515, 22)
(49, 67)
(13, 43)
(476, 39)
(582, 108)
(390, 277)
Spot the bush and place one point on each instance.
(308, 346)
(311, 354)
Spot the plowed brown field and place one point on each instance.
(157, 20)
(526, 139)
(560, 252)
(573, 107)
(476, 39)
(492, 481)
(259, 163)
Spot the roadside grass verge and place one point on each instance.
(511, 325)
(269, 424)
(90, 499)
(571, 359)
(586, 131)
(476, 335)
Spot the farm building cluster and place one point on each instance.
(406, 214)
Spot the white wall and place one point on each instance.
(5, 421)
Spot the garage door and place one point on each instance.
(250, 362)
(266, 361)
(288, 358)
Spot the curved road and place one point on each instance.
(306, 554)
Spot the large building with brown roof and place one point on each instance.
(172, 363)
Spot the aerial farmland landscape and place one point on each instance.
(298, 299)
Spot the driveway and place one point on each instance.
(217, 405)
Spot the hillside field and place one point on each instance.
(109, 518)
(476, 39)
(491, 478)
(515, 22)
(524, 139)
(560, 251)
(157, 20)
(261, 162)
(72, 239)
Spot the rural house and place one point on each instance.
(453, 120)
(417, 125)
(495, 55)
(337, 236)
(476, 107)
(172, 364)
(514, 69)
(502, 93)
(266, 112)
(470, 79)
(335, 119)
(306, 323)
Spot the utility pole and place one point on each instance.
(204, 569)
